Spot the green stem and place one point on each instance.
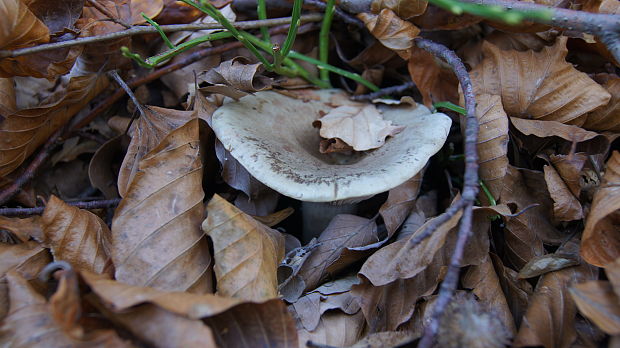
(324, 37)
(261, 9)
(159, 30)
(450, 106)
(292, 29)
(493, 12)
(157, 59)
(347, 74)
(206, 7)
(490, 197)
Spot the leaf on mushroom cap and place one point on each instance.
(271, 136)
(361, 127)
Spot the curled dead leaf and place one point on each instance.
(246, 252)
(391, 31)
(600, 243)
(156, 236)
(404, 9)
(539, 85)
(599, 303)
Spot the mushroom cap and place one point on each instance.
(272, 136)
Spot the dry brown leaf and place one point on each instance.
(485, 284)
(545, 129)
(492, 142)
(391, 31)
(156, 236)
(331, 295)
(246, 252)
(335, 329)
(151, 9)
(525, 233)
(607, 118)
(25, 130)
(24, 228)
(517, 290)
(612, 271)
(550, 317)
(250, 325)
(105, 165)
(20, 27)
(540, 265)
(27, 259)
(275, 218)
(236, 78)
(404, 9)
(566, 206)
(434, 82)
(33, 322)
(538, 85)
(146, 134)
(400, 261)
(569, 167)
(399, 203)
(436, 18)
(340, 244)
(76, 236)
(597, 301)
(600, 243)
(361, 127)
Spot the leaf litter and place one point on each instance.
(178, 243)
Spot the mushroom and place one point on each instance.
(272, 136)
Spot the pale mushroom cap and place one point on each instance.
(272, 136)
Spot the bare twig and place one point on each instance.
(127, 90)
(107, 203)
(140, 30)
(32, 168)
(384, 91)
(340, 14)
(470, 187)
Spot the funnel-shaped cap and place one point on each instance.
(272, 136)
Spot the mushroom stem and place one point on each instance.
(317, 215)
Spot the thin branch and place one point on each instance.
(605, 26)
(32, 168)
(100, 204)
(470, 186)
(384, 91)
(140, 30)
(127, 90)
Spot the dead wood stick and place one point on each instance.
(141, 30)
(384, 91)
(99, 204)
(470, 187)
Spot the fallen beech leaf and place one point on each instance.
(336, 250)
(434, 82)
(250, 325)
(401, 200)
(146, 134)
(246, 252)
(538, 85)
(492, 142)
(105, 165)
(550, 317)
(27, 259)
(25, 130)
(236, 78)
(400, 261)
(391, 31)
(404, 9)
(24, 228)
(361, 127)
(566, 207)
(600, 244)
(76, 236)
(485, 284)
(332, 295)
(569, 167)
(540, 265)
(275, 218)
(612, 271)
(517, 290)
(20, 27)
(156, 236)
(522, 41)
(524, 234)
(599, 303)
(335, 329)
(545, 129)
(33, 322)
(151, 9)
(607, 118)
